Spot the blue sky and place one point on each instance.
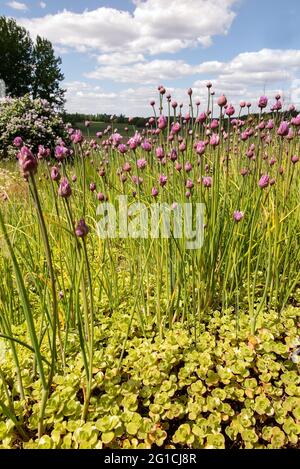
(115, 52)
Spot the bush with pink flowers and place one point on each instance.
(28, 121)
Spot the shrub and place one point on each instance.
(34, 121)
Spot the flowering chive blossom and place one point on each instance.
(142, 163)
(162, 180)
(55, 174)
(74, 178)
(188, 167)
(238, 216)
(214, 140)
(146, 145)
(43, 152)
(295, 159)
(92, 187)
(230, 110)
(82, 229)
(176, 127)
(189, 184)
(64, 189)
(122, 148)
(154, 192)
(283, 129)
(222, 101)
(263, 102)
(77, 137)
(264, 181)
(61, 152)
(101, 197)
(162, 122)
(117, 139)
(27, 162)
(207, 181)
(18, 142)
(200, 148)
(160, 153)
(137, 180)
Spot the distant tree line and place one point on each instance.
(29, 67)
(106, 118)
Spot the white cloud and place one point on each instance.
(261, 69)
(146, 72)
(43, 5)
(245, 77)
(155, 26)
(17, 6)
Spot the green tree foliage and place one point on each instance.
(16, 49)
(28, 67)
(47, 74)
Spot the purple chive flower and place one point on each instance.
(214, 140)
(142, 163)
(101, 197)
(162, 180)
(74, 178)
(202, 117)
(160, 153)
(222, 101)
(146, 145)
(61, 295)
(173, 154)
(178, 166)
(264, 181)
(176, 127)
(296, 121)
(238, 216)
(162, 122)
(295, 159)
(18, 142)
(92, 187)
(154, 192)
(189, 184)
(263, 102)
(200, 148)
(188, 167)
(27, 162)
(43, 152)
(99, 134)
(214, 124)
(127, 167)
(116, 139)
(137, 180)
(55, 174)
(207, 181)
(64, 189)
(122, 148)
(82, 229)
(283, 129)
(230, 110)
(87, 124)
(61, 152)
(77, 137)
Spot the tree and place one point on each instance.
(47, 74)
(16, 64)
